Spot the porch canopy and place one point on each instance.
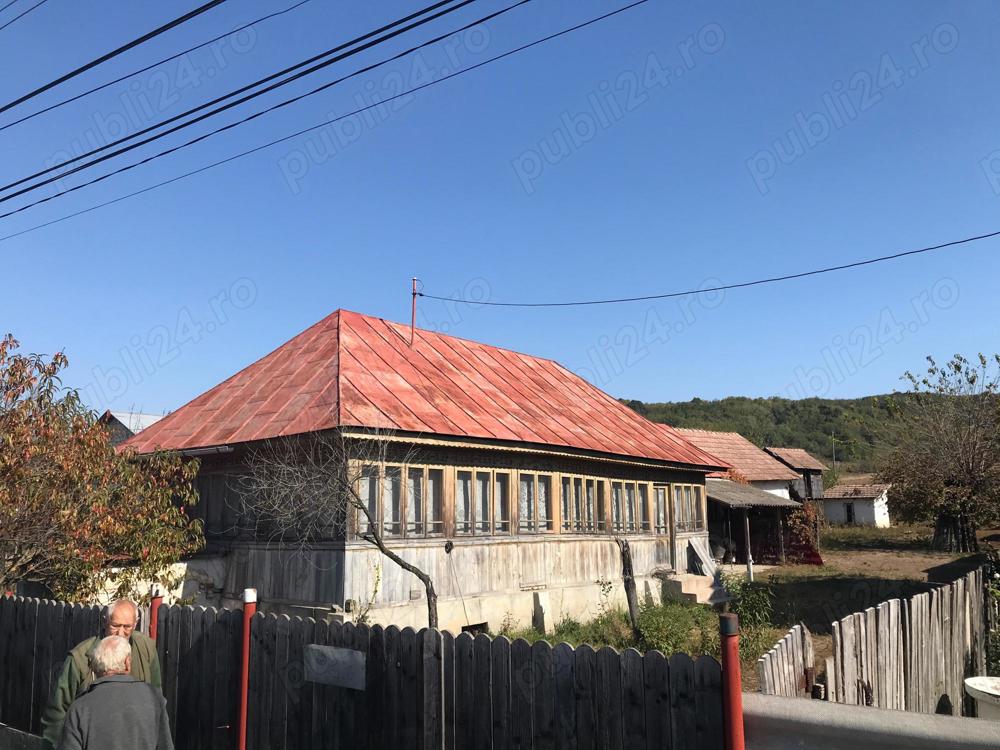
(737, 495)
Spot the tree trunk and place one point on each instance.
(631, 595)
(432, 612)
(955, 532)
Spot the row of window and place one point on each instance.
(408, 501)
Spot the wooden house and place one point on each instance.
(506, 478)
(809, 485)
(748, 517)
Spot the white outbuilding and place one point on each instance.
(857, 505)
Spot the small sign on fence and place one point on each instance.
(330, 665)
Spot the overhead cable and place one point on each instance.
(109, 55)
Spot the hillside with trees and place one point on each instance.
(815, 424)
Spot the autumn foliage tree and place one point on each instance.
(942, 453)
(75, 514)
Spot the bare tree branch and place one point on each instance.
(303, 490)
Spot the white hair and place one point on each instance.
(109, 655)
(118, 603)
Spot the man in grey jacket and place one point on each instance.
(118, 711)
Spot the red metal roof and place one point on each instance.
(354, 370)
(741, 454)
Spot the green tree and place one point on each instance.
(75, 514)
(941, 451)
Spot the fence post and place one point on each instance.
(249, 610)
(732, 682)
(154, 613)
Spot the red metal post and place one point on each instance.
(249, 610)
(732, 682)
(154, 613)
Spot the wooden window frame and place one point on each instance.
(665, 489)
(429, 528)
(474, 521)
(692, 504)
(537, 521)
(626, 517)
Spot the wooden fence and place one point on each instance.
(427, 689)
(423, 689)
(34, 638)
(787, 669)
(907, 655)
(199, 652)
(913, 655)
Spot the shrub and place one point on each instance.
(676, 626)
(753, 603)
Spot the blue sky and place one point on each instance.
(672, 147)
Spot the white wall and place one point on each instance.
(881, 511)
(867, 512)
(778, 487)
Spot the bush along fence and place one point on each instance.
(908, 655)
(317, 684)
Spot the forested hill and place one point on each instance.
(811, 423)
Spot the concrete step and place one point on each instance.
(695, 588)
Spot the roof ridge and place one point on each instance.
(395, 323)
(340, 344)
(706, 430)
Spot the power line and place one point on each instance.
(153, 65)
(325, 123)
(114, 53)
(20, 15)
(725, 287)
(237, 92)
(7, 5)
(237, 123)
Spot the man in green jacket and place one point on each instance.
(76, 675)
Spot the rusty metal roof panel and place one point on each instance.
(354, 370)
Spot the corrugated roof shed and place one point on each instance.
(855, 491)
(741, 454)
(737, 495)
(797, 458)
(354, 370)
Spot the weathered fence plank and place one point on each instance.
(585, 693)
(609, 699)
(708, 686)
(500, 673)
(482, 705)
(656, 693)
(543, 696)
(521, 695)
(563, 667)
(432, 694)
(786, 669)
(633, 699)
(911, 655)
(683, 703)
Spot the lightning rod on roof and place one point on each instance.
(413, 309)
